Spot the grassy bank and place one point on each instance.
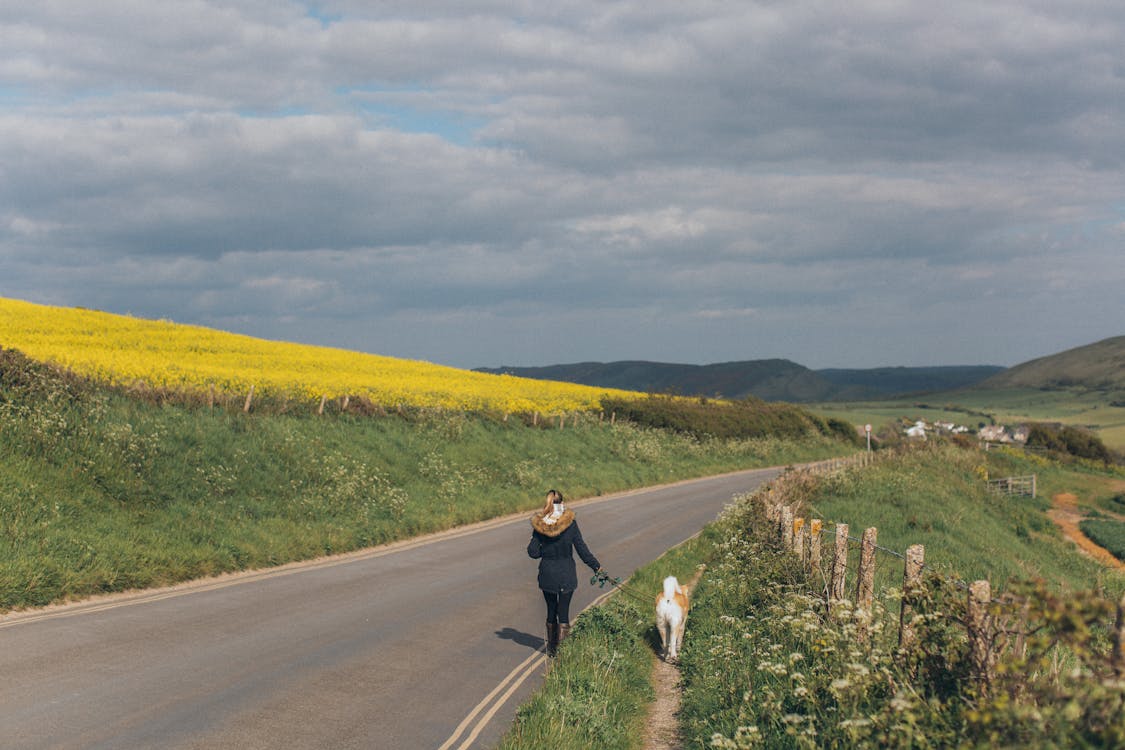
(765, 666)
(936, 496)
(102, 492)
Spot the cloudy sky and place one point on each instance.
(485, 183)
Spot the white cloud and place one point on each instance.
(526, 182)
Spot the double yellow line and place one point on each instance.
(486, 710)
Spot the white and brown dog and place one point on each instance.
(671, 616)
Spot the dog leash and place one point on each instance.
(601, 578)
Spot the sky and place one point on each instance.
(486, 183)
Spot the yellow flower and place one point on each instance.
(126, 351)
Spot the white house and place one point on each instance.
(994, 433)
(917, 431)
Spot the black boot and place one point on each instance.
(552, 638)
(563, 631)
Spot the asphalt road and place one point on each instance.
(431, 643)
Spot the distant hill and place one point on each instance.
(1097, 366)
(768, 379)
(894, 381)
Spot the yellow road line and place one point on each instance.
(522, 672)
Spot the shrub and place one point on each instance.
(745, 418)
(1068, 440)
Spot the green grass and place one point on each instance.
(1106, 533)
(936, 496)
(763, 666)
(597, 691)
(100, 492)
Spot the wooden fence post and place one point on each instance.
(815, 526)
(347, 400)
(1118, 659)
(249, 398)
(865, 574)
(323, 401)
(980, 594)
(211, 396)
(865, 582)
(839, 563)
(911, 586)
(799, 537)
(786, 527)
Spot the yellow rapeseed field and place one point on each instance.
(123, 350)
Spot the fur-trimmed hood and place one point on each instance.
(539, 523)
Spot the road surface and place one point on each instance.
(431, 643)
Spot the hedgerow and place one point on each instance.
(745, 418)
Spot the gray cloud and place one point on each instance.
(519, 183)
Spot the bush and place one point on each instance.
(1068, 440)
(745, 418)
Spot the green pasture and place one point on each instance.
(937, 496)
(1091, 409)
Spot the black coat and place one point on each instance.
(553, 546)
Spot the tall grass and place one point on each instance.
(765, 665)
(100, 492)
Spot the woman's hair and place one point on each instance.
(553, 496)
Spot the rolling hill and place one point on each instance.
(768, 379)
(1097, 366)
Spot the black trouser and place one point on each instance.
(558, 606)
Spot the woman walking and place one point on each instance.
(554, 537)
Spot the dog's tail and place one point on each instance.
(671, 587)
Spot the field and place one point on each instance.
(161, 355)
(1090, 409)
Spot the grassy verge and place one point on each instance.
(100, 492)
(597, 691)
(764, 665)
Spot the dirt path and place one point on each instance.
(1067, 516)
(662, 729)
